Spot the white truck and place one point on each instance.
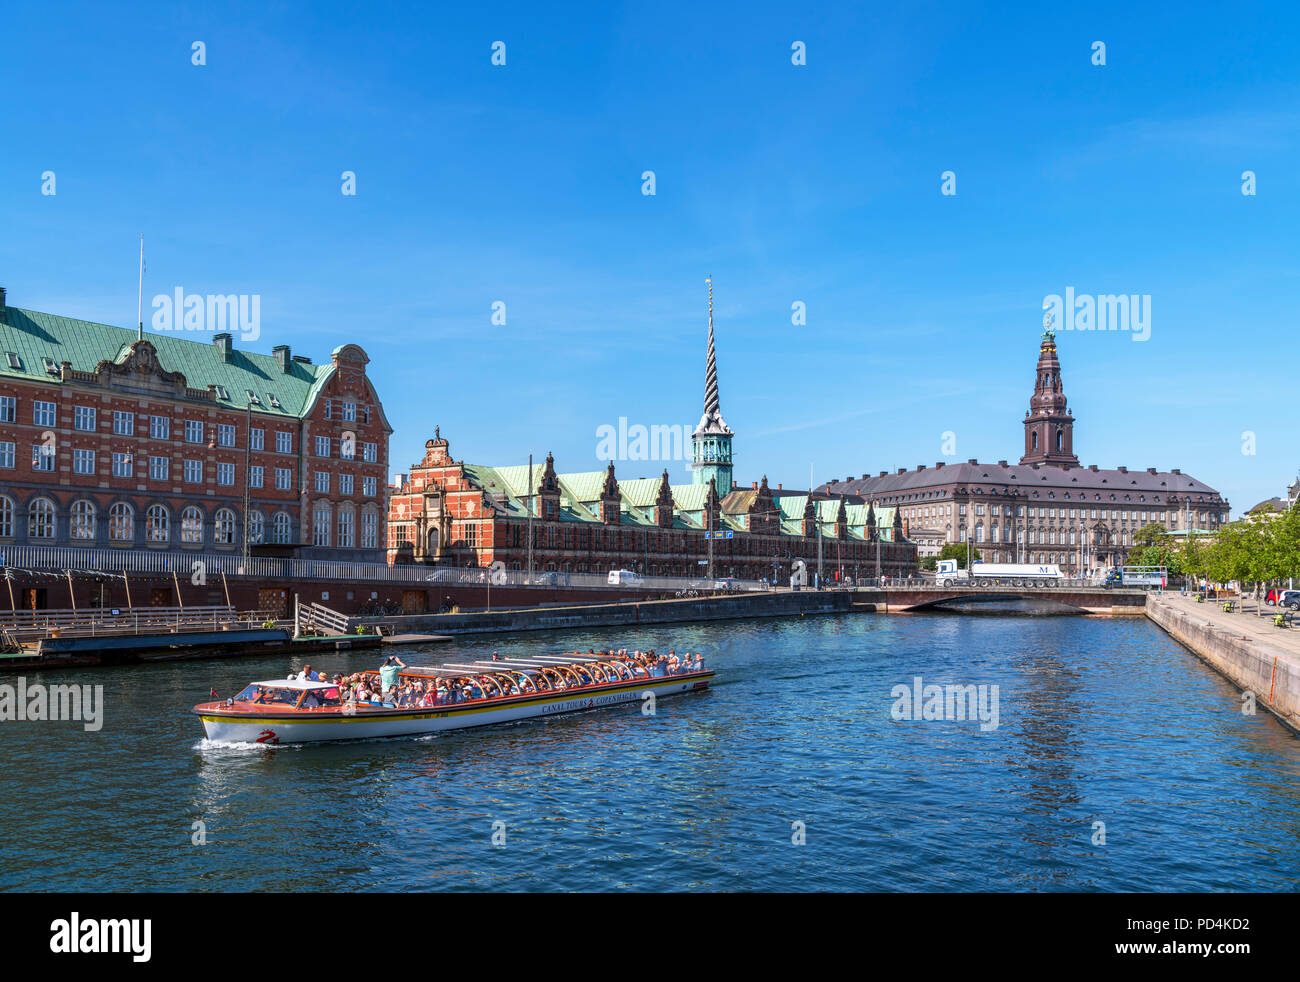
(990, 574)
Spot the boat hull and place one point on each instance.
(223, 725)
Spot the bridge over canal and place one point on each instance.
(924, 596)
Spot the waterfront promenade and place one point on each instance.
(1248, 649)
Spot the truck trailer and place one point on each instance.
(991, 574)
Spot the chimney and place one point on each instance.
(902, 470)
(754, 485)
(778, 487)
(281, 353)
(224, 343)
(920, 467)
(1093, 468)
(883, 473)
(1002, 463)
(1122, 470)
(973, 460)
(2, 303)
(1151, 470)
(938, 464)
(865, 476)
(1175, 470)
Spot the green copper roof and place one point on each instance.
(34, 336)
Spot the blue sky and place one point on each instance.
(817, 183)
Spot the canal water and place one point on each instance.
(1103, 727)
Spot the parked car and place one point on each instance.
(1290, 599)
(624, 577)
(728, 584)
(1272, 596)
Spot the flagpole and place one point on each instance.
(139, 304)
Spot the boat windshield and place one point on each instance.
(315, 698)
(270, 695)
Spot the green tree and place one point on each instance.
(1192, 555)
(928, 563)
(957, 551)
(1148, 536)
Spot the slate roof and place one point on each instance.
(1025, 477)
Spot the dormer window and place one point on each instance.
(273, 400)
(253, 400)
(222, 394)
(50, 367)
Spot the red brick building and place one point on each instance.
(450, 513)
(118, 440)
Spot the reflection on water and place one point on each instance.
(1100, 722)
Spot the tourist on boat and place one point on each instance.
(388, 671)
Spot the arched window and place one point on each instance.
(256, 527)
(83, 519)
(40, 519)
(223, 529)
(320, 524)
(192, 526)
(347, 528)
(283, 528)
(157, 524)
(1033, 437)
(6, 517)
(1060, 440)
(121, 523)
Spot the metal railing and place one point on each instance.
(115, 562)
(318, 620)
(97, 621)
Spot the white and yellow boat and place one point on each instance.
(479, 693)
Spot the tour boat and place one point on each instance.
(299, 711)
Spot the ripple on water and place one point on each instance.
(1099, 722)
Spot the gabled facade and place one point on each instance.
(446, 512)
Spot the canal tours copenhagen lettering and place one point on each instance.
(78, 703)
(945, 702)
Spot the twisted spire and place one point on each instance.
(711, 421)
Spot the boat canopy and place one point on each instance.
(300, 685)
